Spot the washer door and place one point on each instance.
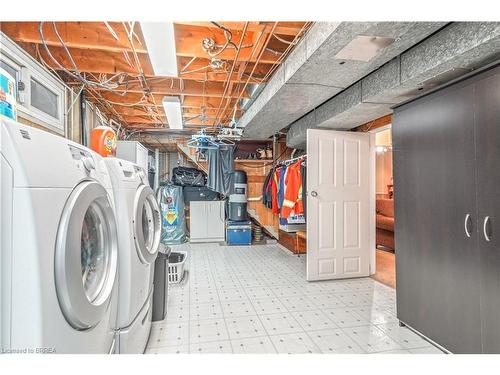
(86, 256)
(147, 224)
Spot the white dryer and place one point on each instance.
(139, 231)
(58, 259)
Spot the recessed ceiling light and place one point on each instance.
(364, 48)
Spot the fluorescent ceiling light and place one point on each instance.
(160, 41)
(172, 106)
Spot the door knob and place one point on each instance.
(88, 163)
(314, 194)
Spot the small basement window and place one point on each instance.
(44, 99)
(41, 97)
(9, 69)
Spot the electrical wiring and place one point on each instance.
(293, 42)
(142, 76)
(77, 74)
(285, 53)
(70, 108)
(266, 42)
(275, 65)
(228, 79)
(188, 64)
(209, 45)
(111, 31)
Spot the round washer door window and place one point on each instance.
(86, 256)
(95, 252)
(147, 224)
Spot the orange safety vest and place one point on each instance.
(293, 192)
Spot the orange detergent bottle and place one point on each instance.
(103, 141)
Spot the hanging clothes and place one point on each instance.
(221, 169)
(303, 172)
(281, 187)
(292, 195)
(267, 195)
(274, 190)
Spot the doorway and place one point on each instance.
(385, 271)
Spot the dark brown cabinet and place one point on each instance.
(487, 120)
(446, 150)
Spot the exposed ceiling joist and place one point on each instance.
(283, 28)
(76, 35)
(168, 86)
(103, 50)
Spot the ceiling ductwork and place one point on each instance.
(453, 51)
(329, 59)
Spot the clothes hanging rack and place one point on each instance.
(293, 160)
(202, 141)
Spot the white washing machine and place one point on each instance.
(59, 253)
(139, 231)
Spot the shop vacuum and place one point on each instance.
(238, 227)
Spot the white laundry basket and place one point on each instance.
(176, 262)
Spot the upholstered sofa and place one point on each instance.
(385, 223)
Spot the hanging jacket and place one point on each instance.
(292, 192)
(281, 187)
(274, 190)
(267, 197)
(303, 172)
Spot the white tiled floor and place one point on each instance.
(255, 299)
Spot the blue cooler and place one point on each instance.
(239, 232)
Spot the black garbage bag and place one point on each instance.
(185, 176)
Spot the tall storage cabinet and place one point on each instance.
(487, 119)
(446, 150)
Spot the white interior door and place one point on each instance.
(340, 204)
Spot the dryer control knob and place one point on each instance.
(88, 163)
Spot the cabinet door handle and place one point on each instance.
(466, 225)
(485, 228)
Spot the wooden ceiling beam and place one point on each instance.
(189, 101)
(90, 61)
(76, 35)
(210, 103)
(168, 86)
(198, 70)
(135, 120)
(284, 28)
(189, 44)
(93, 61)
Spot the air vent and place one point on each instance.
(25, 134)
(364, 48)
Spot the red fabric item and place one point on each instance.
(293, 192)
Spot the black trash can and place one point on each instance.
(160, 284)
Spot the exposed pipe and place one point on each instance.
(228, 80)
(256, 63)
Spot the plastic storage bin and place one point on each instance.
(176, 262)
(239, 233)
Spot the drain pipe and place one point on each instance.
(83, 119)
